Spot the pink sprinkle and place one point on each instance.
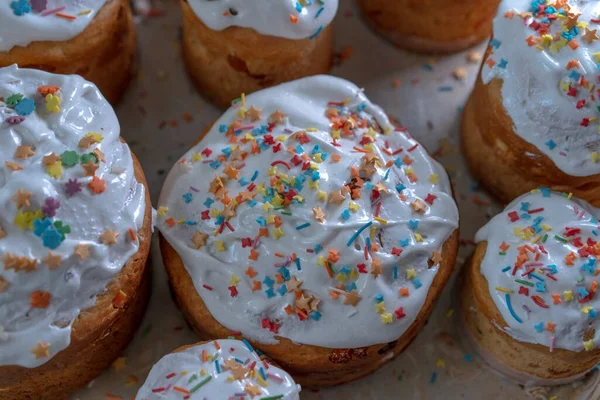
(275, 377)
(552, 338)
(194, 189)
(562, 153)
(54, 11)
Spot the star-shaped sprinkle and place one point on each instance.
(13, 166)
(21, 198)
(199, 239)
(337, 197)
(278, 117)
(252, 390)
(109, 237)
(97, 185)
(99, 155)
(52, 260)
(231, 172)
(436, 257)
(319, 214)
(380, 187)
(24, 152)
(82, 251)
(51, 159)
(572, 20)
(90, 168)
(254, 114)
(590, 36)
(352, 298)
(293, 284)
(376, 268)
(418, 206)
(41, 350)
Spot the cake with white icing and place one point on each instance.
(533, 279)
(224, 369)
(91, 38)
(532, 118)
(301, 214)
(232, 47)
(73, 214)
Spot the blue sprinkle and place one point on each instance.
(282, 290)
(187, 197)
(398, 162)
(25, 107)
(214, 164)
(315, 315)
(345, 215)
(252, 203)
(243, 181)
(226, 151)
(582, 292)
(314, 35)
(315, 149)
(254, 176)
(222, 128)
(445, 88)
(539, 327)
(387, 173)
(299, 149)
(593, 314)
(261, 221)
(248, 345)
(553, 269)
(190, 222)
(413, 224)
(503, 63)
(219, 220)
(400, 188)
(358, 232)
(361, 106)
(306, 225)
(285, 273)
(315, 176)
(395, 272)
(525, 206)
(317, 248)
(495, 43)
(319, 12)
(510, 308)
(540, 287)
(536, 277)
(506, 268)
(468, 358)
(416, 282)
(51, 238)
(208, 202)
(433, 378)
(298, 7)
(379, 297)
(551, 145)
(546, 192)
(268, 281)
(270, 293)
(298, 264)
(40, 226)
(404, 242)
(217, 366)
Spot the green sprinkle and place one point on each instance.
(215, 357)
(14, 99)
(545, 238)
(560, 239)
(502, 253)
(286, 213)
(521, 281)
(87, 157)
(146, 331)
(279, 396)
(192, 378)
(202, 383)
(69, 158)
(278, 208)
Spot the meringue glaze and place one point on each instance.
(540, 265)
(269, 267)
(46, 280)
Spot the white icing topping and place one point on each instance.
(239, 373)
(269, 17)
(38, 25)
(561, 282)
(541, 91)
(71, 284)
(322, 320)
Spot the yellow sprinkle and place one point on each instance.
(536, 239)
(411, 273)
(387, 130)
(312, 130)
(281, 138)
(234, 280)
(368, 147)
(85, 12)
(318, 157)
(546, 227)
(249, 137)
(564, 86)
(440, 363)
(450, 313)
(569, 196)
(596, 57)
(589, 345)
(196, 157)
(273, 170)
(586, 309)
(220, 245)
(314, 185)
(55, 170)
(352, 206)
(387, 318)
(540, 48)
(504, 290)
(321, 261)
(243, 99)
(322, 195)
(418, 237)
(267, 206)
(380, 308)
(336, 134)
(298, 198)
(594, 156)
(184, 373)
(214, 213)
(261, 381)
(277, 200)
(434, 178)
(181, 222)
(340, 277)
(381, 220)
(278, 233)
(242, 112)
(372, 232)
(162, 211)
(202, 372)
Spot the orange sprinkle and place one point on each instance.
(289, 310)
(293, 19)
(180, 389)
(360, 150)
(203, 355)
(47, 89)
(386, 151)
(574, 44)
(132, 235)
(66, 16)
(217, 345)
(40, 299)
(119, 299)
(170, 221)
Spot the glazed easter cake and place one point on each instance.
(529, 296)
(532, 118)
(92, 38)
(234, 46)
(227, 369)
(303, 217)
(74, 235)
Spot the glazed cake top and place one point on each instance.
(547, 54)
(304, 214)
(221, 369)
(70, 208)
(289, 19)
(540, 265)
(25, 21)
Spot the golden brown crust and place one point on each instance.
(483, 321)
(504, 163)
(311, 366)
(225, 64)
(431, 26)
(99, 334)
(103, 53)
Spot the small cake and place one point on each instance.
(306, 222)
(431, 26)
(529, 291)
(232, 47)
(93, 38)
(532, 118)
(224, 369)
(75, 227)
